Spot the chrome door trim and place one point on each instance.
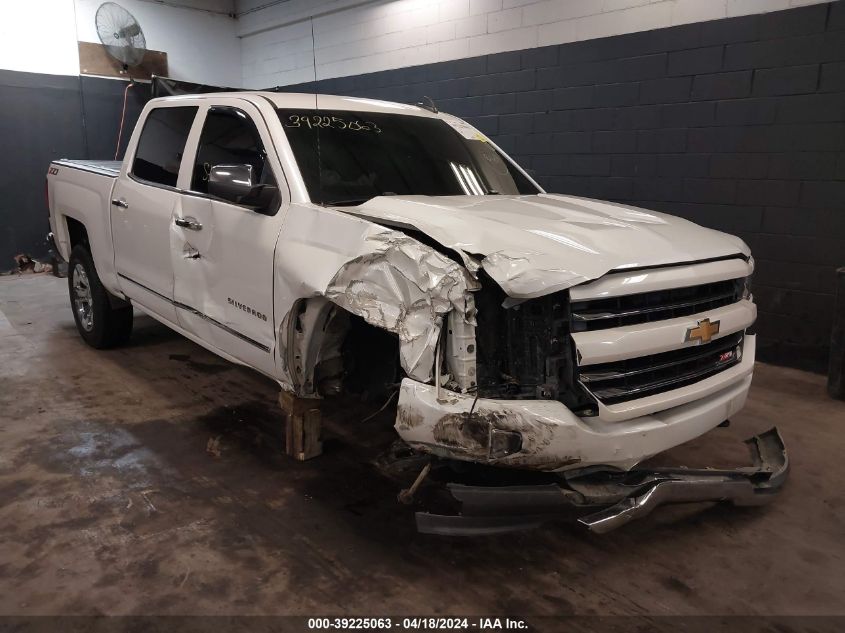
(182, 306)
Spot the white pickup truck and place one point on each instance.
(329, 242)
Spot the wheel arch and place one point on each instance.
(76, 233)
(328, 348)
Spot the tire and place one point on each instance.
(99, 324)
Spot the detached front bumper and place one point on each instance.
(622, 497)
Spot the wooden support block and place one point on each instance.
(302, 426)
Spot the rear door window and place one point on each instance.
(162, 145)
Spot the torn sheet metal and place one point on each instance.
(382, 275)
(405, 287)
(519, 276)
(314, 346)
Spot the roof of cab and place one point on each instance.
(311, 100)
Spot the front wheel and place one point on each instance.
(99, 324)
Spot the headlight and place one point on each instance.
(746, 287)
(746, 283)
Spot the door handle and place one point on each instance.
(120, 202)
(188, 223)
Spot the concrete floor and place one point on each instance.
(149, 480)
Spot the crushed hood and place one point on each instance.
(536, 245)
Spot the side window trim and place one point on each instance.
(187, 167)
(152, 183)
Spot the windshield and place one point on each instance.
(348, 157)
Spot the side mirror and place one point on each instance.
(235, 184)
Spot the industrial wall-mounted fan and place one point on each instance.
(124, 40)
(120, 34)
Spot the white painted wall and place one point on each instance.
(53, 50)
(40, 36)
(201, 47)
(355, 37)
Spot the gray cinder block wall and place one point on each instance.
(42, 118)
(736, 124)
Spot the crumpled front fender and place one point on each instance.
(405, 287)
(384, 276)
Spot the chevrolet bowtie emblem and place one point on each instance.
(704, 331)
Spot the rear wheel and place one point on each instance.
(99, 324)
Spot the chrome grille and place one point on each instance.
(648, 375)
(645, 307)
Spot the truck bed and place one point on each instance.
(109, 168)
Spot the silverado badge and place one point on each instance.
(704, 331)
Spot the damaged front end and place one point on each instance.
(614, 497)
(493, 377)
